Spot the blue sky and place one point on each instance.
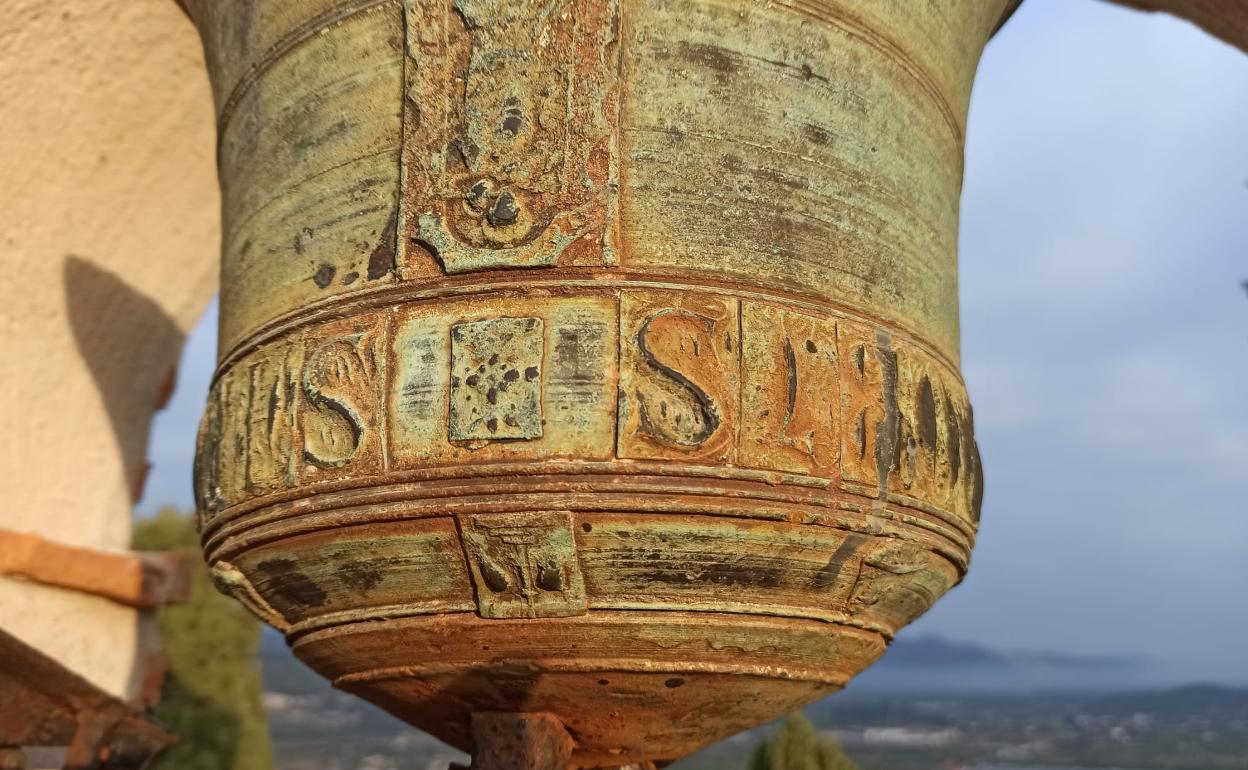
(1105, 342)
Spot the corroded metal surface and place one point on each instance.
(519, 742)
(46, 704)
(590, 358)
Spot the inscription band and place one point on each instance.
(559, 281)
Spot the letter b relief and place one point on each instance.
(790, 391)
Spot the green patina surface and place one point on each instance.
(591, 357)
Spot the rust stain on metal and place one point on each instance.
(46, 704)
(679, 376)
(508, 133)
(589, 365)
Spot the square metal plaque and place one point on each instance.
(524, 565)
(496, 379)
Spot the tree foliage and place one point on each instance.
(797, 746)
(212, 688)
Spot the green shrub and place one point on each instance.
(211, 694)
(797, 746)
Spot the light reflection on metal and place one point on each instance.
(593, 360)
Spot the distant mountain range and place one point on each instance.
(936, 664)
(937, 651)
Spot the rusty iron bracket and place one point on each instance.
(506, 741)
(510, 741)
(46, 704)
(145, 580)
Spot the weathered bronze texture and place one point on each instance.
(590, 358)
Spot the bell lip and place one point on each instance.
(1006, 15)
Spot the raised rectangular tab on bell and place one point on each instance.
(560, 376)
(790, 391)
(679, 376)
(511, 113)
(524, 565)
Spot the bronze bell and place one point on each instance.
(589, 368)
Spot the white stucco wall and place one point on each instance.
(108, 252)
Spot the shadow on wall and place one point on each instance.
(130, 345)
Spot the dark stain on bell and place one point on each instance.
(301, 240)
(790, 361)
(927, 413)
(888, 429)
(550, 577)
(977, 480)
(512, 124)
(271, 413)
(860, 433)
(285, 579)
(827, 576)
(953, 427)
(476, 194)
(716, 58)
(757, 575)
(810, 74)
(513, 117)
(505, 209)
(381, 261)
(464, 155)
(816, 135)
(361, 576)
(324, 276)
